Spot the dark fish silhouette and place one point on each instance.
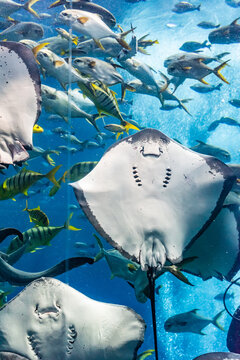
(226, 34)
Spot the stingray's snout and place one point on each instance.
(151, 149)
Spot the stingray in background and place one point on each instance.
(219, 356)
(53, 321)
(18, 72)
(152, 198)
(18, 277)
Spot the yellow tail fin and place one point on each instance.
(123, 43)
(68, 226)
(129, 126)
(75, 40)
(218, 69)
(37, 48)
(28, 6)
(55, 188)
(51, 175)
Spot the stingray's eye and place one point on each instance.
(160, 151)
(142, 149)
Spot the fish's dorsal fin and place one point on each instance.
(194, 311)
(200, 142)
(235, 21)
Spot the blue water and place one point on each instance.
(149, 17)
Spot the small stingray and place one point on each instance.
(50, 320)
(19, 75)
(151, 198)
(219, 356)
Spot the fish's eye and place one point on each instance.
(44, 54)
(64, 14)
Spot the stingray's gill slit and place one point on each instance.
(34, 345)
(71, 338)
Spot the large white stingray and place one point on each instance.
(151, 197)
(20, 100)
(49, 320)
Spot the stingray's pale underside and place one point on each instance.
(20, 99)
(151, 197)
(49, 320)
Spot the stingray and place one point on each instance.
(152, 198)
(18, 277)
(19, 75)
(219, 356)
(49, 320)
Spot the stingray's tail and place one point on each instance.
(151, 280)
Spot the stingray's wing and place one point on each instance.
(49, 320)
(151, 197)
(20, 100)
(218, 249)
(219, 356)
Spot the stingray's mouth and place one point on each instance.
(51, 311)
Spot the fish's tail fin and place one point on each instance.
(142, 50)
(92, 121)
(129, 126)
(126, 87)
(205, 44)
(217, 70)
(123, 43)
(218, 87)
(75, 40)
(100, 255)
(199, 7)
(68, 226)
(145, 354)
(51, 175)
(125, 33)
(216, 319)
(55, 188)
(28, 6)
(182, 106)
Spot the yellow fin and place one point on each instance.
(62, 52)
(54, 4)
(26, 208)
(187, 67)
(217, 71)
(118, 134)
(13, 199)
(58, 63)
(83, 19)
(4, 185)
(75, 40)
(51, 175)
(129, 126)
(96, 87)
(25, 192)
(37, 129)
(28, 7)
(70, 227)
(98, 43)
(37, 48)
(203, 81)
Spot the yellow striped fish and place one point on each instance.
(104, 100)
(38, 236)
(75, 173)
(37, 216)
(21, 182)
